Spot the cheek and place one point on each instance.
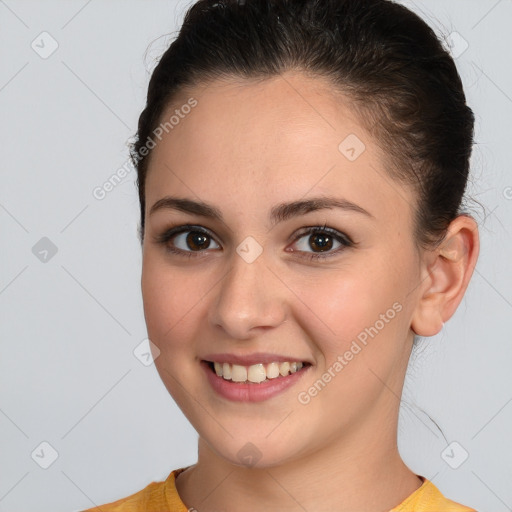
(358, 333)
(358, 312)
(170, 302)
(170, 309)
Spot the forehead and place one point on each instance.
(290, 114)
(275, 139)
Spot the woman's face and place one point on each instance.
(245, 290)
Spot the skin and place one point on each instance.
(246, 147)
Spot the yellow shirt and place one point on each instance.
(163, 497)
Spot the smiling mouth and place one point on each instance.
(255, 373)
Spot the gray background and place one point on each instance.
(71, 321)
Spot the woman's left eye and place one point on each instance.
(192, 241)
(322, 239)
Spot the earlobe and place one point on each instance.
(446, 273)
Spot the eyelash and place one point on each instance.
(166, 236)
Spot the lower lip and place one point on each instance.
(251, 392)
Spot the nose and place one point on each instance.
(250, 298)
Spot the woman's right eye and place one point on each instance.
(188, 241)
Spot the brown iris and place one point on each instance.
(197, 241)
(322, 241)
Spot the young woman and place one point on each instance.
(301, 165)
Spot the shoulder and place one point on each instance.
(155, 497)
(428, 498)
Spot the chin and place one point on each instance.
(256, 454)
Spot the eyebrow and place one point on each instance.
(279, 213)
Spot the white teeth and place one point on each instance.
(238, 373)
(257, 372)
(226, 371)
(272, 370)
(284, 368)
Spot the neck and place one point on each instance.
(345, 475)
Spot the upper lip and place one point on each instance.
(250, 359)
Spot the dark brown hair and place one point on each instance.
(384, 58)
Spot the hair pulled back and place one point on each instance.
(385, 59)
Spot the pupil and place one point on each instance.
(323, 242)
(195, 240)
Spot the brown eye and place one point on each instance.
(192, 240)
(187, 240)
(197, 241)
(321, 242)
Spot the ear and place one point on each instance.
(445, 275)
